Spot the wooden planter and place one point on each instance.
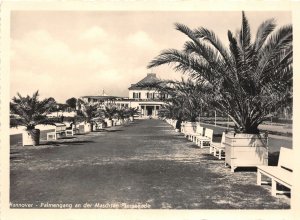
(87, 127)
(245, 150)
(84, 128)
(109, 123)
(31, 137)
(120, 122)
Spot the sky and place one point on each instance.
(66, 54)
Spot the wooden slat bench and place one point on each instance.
(280, 174)
(217, 148)
(60, 131)
(198, 133)
(189, 129)
(207, 138)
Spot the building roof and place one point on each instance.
(106, 97)
(149, 79)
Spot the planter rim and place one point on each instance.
(233, 132)
(25, 129)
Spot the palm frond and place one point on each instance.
(279, 41)
(245, 34)
(263, 31)
(210, 36)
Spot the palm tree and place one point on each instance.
(196, 95)
(248, 80)
(29, 111)
(109, 112)
(132, 112)
(121, 114)
(90, 111)
(186, 98)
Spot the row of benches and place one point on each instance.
(204, 137)
(61, 130)
(280, 174)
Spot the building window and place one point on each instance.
(136, 95)
(150, 95)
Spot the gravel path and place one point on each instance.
(141, 165)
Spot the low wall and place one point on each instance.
(16, 139)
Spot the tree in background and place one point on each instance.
(72, 103)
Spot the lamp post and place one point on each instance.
(227, 121)
(215, 118)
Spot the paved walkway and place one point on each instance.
(142, 165)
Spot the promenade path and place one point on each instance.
(145, 164)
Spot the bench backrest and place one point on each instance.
(199, 130)
(209, 133)
(189, 129)
(286, 158)
(60, 127)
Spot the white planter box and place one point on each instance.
(84, 128)
(245, 150)
(87, 128)
(28, 140)
(109, 123)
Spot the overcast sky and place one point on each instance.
(72, 54)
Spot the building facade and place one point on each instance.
(146, 99)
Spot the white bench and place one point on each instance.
(69, 132)
(182, 127)
(51, 136)
(189, 129)
(280, 174)
(60, 131)
(217, 148)
(207, 138)
(198, 133)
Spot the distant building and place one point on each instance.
(146, 99)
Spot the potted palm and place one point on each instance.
(29, 112)
(90, 113)
(120, 115)
(193, 94)
(248, 81)
(109, 112)
(132, 112)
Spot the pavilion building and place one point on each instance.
(145, 98)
